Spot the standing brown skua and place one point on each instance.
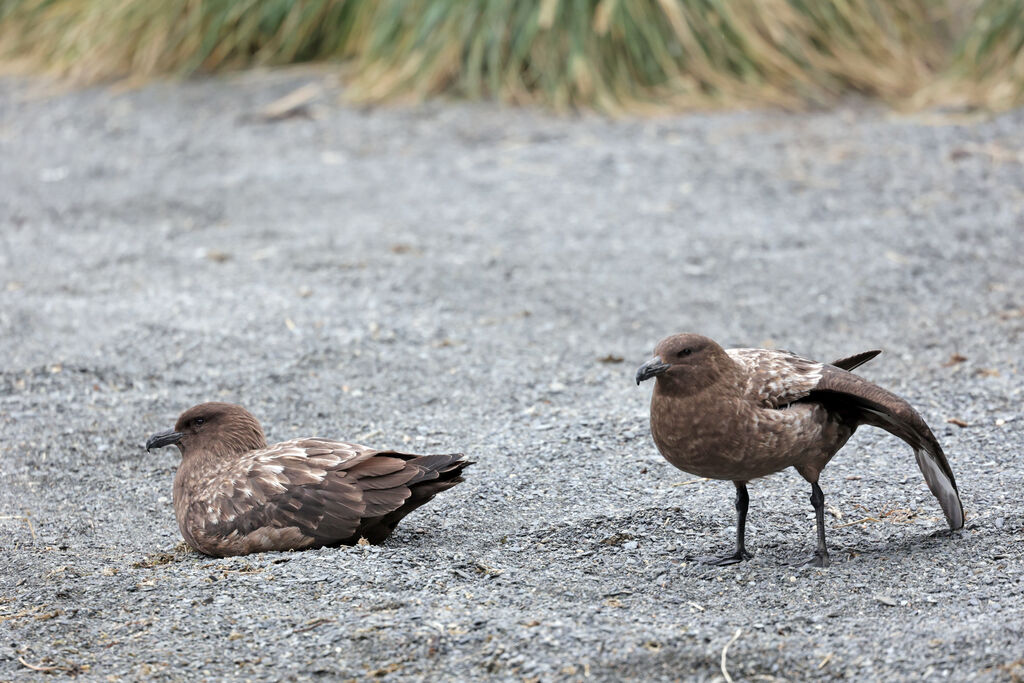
(740, 414)
(234, 494)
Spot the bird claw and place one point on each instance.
(726, 560)
(818, 559)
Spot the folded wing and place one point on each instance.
(776, 378)
(315, 492)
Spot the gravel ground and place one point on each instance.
(466, 277)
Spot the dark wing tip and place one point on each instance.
(856, 360)
(432, 474)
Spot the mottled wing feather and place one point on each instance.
(776, 378)
(401, 478)
(311, 492)
(379, 502)
(377, 467)
(305, 486)
(431, 466)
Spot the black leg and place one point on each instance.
(742, 500)
(820, 557)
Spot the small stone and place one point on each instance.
(216, 255)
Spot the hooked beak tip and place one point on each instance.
(168, 438)
(652, 368)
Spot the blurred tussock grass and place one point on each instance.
(637, 56)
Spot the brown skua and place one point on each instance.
(234, 494)
(741, 414)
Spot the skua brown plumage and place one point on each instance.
(740, 414)
(234, 494)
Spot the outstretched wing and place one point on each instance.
(868, 403)
(776, 378)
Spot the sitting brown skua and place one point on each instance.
(234, 494)
(740, 414)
